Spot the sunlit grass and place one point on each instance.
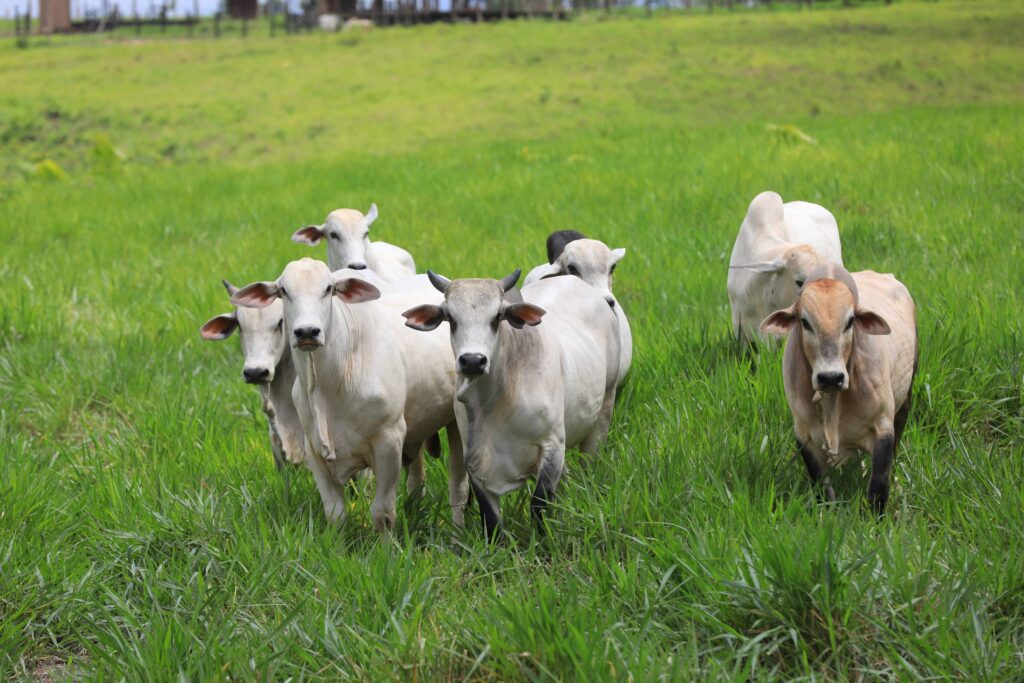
(144, 533)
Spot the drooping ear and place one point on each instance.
(311, 235)
(371, 215)
(519, 315)
(551, 270)
(617, 255)
(779, 322)
(762, 266)
(869, 322)
(230, 287)
(219, 327)
(256, 295)
(424, 318)
(352, 290)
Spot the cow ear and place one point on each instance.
(352, 290)
(219, 327)
(520, 315)
(256, 295)
(550, 270)
(871, 323)
(424, 318)
(371, 215)
(779, 322)
(762, 266)
(617, 255)
(311, 235)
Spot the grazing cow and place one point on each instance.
(594, 263)
(848, 369)
(369, 391)
(348, 245)
(777, 248)
(529, 389)
(268, 364)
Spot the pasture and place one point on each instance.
(144, 532)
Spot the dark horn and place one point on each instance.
(440, 282)
(509, 281)
(230, 287)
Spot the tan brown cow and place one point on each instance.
(848, 369)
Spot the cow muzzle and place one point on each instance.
(472, 364)
(255, 375)
(356, 266)
(831, 381)
(308, 337)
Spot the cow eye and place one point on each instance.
(366, 235)
(452, 324)
(279, 326)
(332, 235)
(573, 270)
(612, 269)
(327, 292)
(800, 282)
(849, 324)
(284, 293)
(806, 325)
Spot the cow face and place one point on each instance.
(347, 232)
(828, 318)
(261, 332)
(305, 290)
(788, 272)
(474, 310)
(591, 261)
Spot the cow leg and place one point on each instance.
(331, 495)
(387, 463)
(412, 461)
(597, 437)
(280, 461)
(900, 421)
(818, 472)
(551, 468)
(881, 465)
(490, 511)
(458, 482)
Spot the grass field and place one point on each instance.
(144, 533)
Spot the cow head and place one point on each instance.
(347, 232)
(474, 310)
(788, 272)
(261, 332)
(591, 261)
(305, 291)
(826, 319)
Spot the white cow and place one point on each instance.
(594, 263)
(268, 364)
(529, 389)
(848, 370)
(369, 391)
(347, 232)
(778, 246)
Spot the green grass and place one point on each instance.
(144, 533)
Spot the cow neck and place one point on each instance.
(324, 363)
(280, 388)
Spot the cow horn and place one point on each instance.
(230, 287)
(509, 281)
(440, 282)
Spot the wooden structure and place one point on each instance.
(54, 16)
(243, 9)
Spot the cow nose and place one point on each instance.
(307, 332)
(472, 364)
(256, 375)
(357, 266)
(830, 380)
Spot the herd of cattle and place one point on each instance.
(361, 362)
